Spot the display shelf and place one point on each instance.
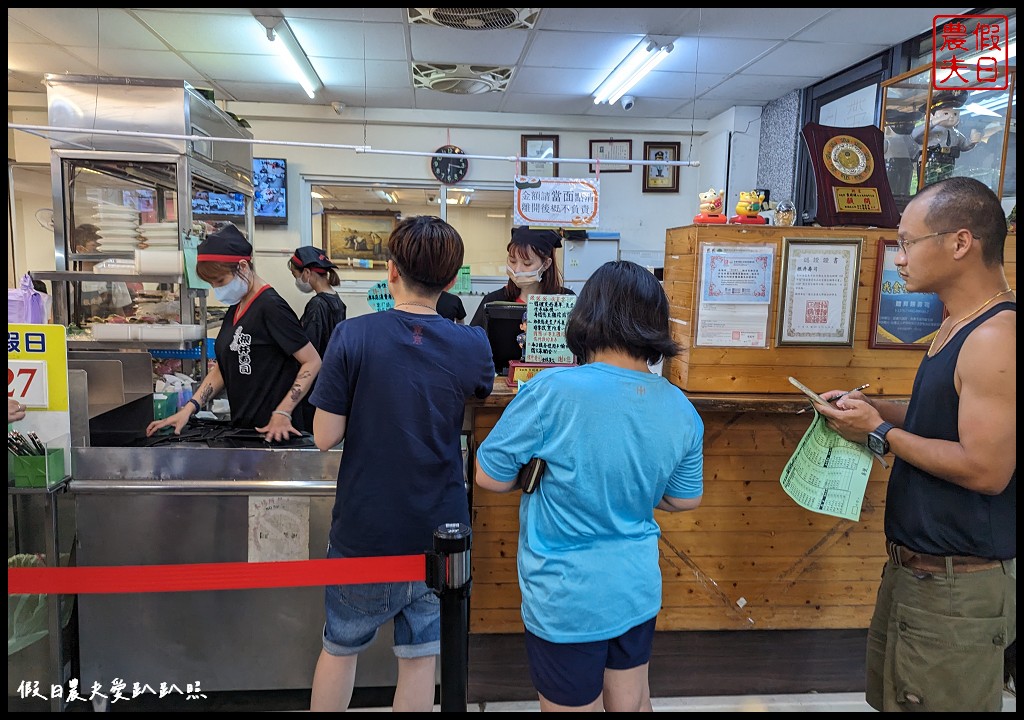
(87, 276)
(55, 488)
(84, 343)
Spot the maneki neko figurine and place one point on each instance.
(710, 208)
(748, 209)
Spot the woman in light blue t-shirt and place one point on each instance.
(619, 441)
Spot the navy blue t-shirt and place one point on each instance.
(402, 381)
(932, 515)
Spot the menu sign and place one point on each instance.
(546, 318)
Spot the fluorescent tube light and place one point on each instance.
(288, 47)
(640, 61)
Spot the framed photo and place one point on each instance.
(900, 319)
(356, 238)
(818, 304)
(608, 151)
(661, 178)
(538, 151)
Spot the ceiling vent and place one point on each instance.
(476, 18)
(461, 79)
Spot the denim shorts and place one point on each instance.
(572, 674)
(356, 612)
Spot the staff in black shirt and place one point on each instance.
(265, 362)
(314, 273)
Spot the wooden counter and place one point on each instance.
(748, 558)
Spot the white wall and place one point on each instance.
(641, 218)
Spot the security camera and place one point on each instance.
(627, 102)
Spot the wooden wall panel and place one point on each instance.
(749, 557)
(750, 370)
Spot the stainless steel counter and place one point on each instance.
(171, 505)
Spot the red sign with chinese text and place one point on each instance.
(977, 59)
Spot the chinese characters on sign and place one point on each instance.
(819, 292)
(117, 692)
(851, 199)
(902, 319)
(547, 316)
(736, 284)
(970, 52)
(556, 202)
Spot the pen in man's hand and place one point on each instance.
(832, 400)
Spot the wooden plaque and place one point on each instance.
(849, 173)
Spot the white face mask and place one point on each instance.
(529, 277)
(233, 292)
(303, 287)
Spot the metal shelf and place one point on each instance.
(86, 276)
(84, 343)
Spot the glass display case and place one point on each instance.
(122, 219)
(932, 134)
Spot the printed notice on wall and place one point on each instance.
(735, 295)
(546, 317)
(278, 529)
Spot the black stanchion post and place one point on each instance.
(449, 575)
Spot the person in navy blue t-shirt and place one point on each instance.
(394, 387)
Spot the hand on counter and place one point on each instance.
(15, 410)
(179, 420)
(279, 428)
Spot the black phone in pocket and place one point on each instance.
(530, 474)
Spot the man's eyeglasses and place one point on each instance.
(904, 243)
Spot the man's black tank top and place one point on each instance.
(933, 516)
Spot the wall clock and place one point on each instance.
(850, 177)
(449, 170)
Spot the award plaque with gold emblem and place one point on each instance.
(849, 173)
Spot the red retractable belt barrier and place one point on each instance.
(214, 576)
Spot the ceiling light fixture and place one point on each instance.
(389, 197)
(280, 33)
(641, 60)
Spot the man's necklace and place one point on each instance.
(428, 307)
(932, 350)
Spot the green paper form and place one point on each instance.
(828, 474)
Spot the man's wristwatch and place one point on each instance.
(876, 439)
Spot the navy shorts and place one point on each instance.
(572, 674)
(356, 612)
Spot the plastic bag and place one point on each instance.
(26, 614)
(25, 304)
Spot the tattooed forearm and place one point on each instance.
(298, 389)
(205, 393)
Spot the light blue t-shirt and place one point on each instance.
(615, 442)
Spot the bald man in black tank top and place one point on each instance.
(947, 605)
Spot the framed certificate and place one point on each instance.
(607, 151)
(900, 319)
(538, 151)
(818, 303)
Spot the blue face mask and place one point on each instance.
(233, 292)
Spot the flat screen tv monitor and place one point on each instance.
(270, 197)
(503, 320)
(270, 191)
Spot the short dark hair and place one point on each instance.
(621, 307)
(963, 202)
(428, 252)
